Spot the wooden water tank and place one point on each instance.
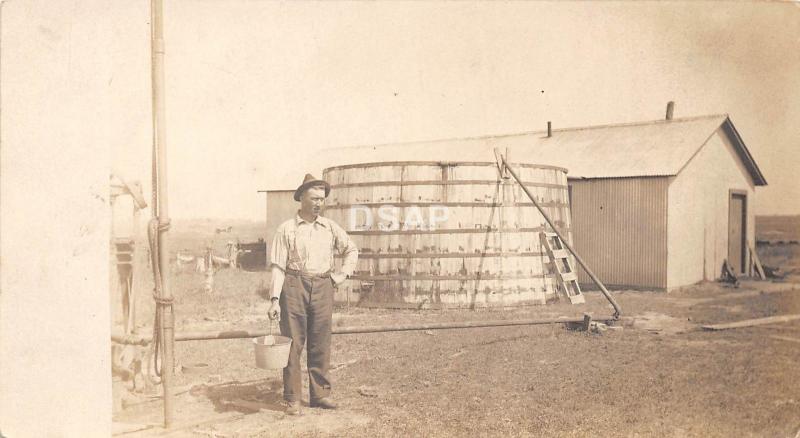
(455, 234)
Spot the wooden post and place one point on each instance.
(759, 269)
(208, 285)
(587, 321)
(167, 320)
(134, 261)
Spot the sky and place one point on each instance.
(255, 89)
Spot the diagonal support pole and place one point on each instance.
(606, 293)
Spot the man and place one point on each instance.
(303, 282)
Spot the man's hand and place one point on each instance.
(274, 311)
(338, 279)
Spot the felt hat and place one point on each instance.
(308, 182)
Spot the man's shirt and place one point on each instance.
(310, 246)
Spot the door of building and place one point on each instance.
(737, 226)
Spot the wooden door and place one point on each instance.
(737, 226)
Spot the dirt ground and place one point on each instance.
(659, 375)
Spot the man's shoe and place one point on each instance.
(324, 403)
(293, 408)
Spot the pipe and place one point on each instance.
(459, 325)
(617, 309)
(247, 333)
(161, 211)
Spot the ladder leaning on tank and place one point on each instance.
(562, 267)
(506, 167)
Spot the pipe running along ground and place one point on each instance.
(247, 333)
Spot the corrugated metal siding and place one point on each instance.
(620, 230)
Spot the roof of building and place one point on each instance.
(655, 148)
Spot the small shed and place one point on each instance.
(655, 205)
(661, 204)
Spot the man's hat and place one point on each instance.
(308, 182)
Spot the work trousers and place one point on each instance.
(306, 315)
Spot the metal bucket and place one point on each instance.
(272, 352)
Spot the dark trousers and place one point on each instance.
(306, 315)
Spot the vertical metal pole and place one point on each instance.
(160, 154)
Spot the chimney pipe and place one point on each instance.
(670, 109)
(549, 129)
